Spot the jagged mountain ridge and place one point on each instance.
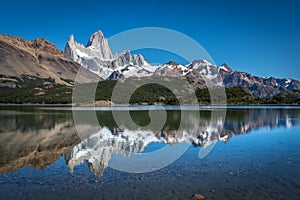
(97, 57)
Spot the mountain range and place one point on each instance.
(97, 57)
(39, 62)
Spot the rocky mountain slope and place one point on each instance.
(97, 57)
(24, 63)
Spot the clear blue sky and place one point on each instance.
(260, 37)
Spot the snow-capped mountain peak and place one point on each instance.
(97, 57)
(99, 43)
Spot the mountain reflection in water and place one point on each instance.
(37, 137)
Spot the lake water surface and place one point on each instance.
(234, 153)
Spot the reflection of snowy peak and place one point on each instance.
(98, 148)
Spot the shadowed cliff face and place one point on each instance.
(38, 137)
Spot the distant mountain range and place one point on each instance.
(39, 62)
(97, 57)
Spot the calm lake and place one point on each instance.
(150, 153)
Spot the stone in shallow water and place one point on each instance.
(198, 196)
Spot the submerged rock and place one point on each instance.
(198, 196)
